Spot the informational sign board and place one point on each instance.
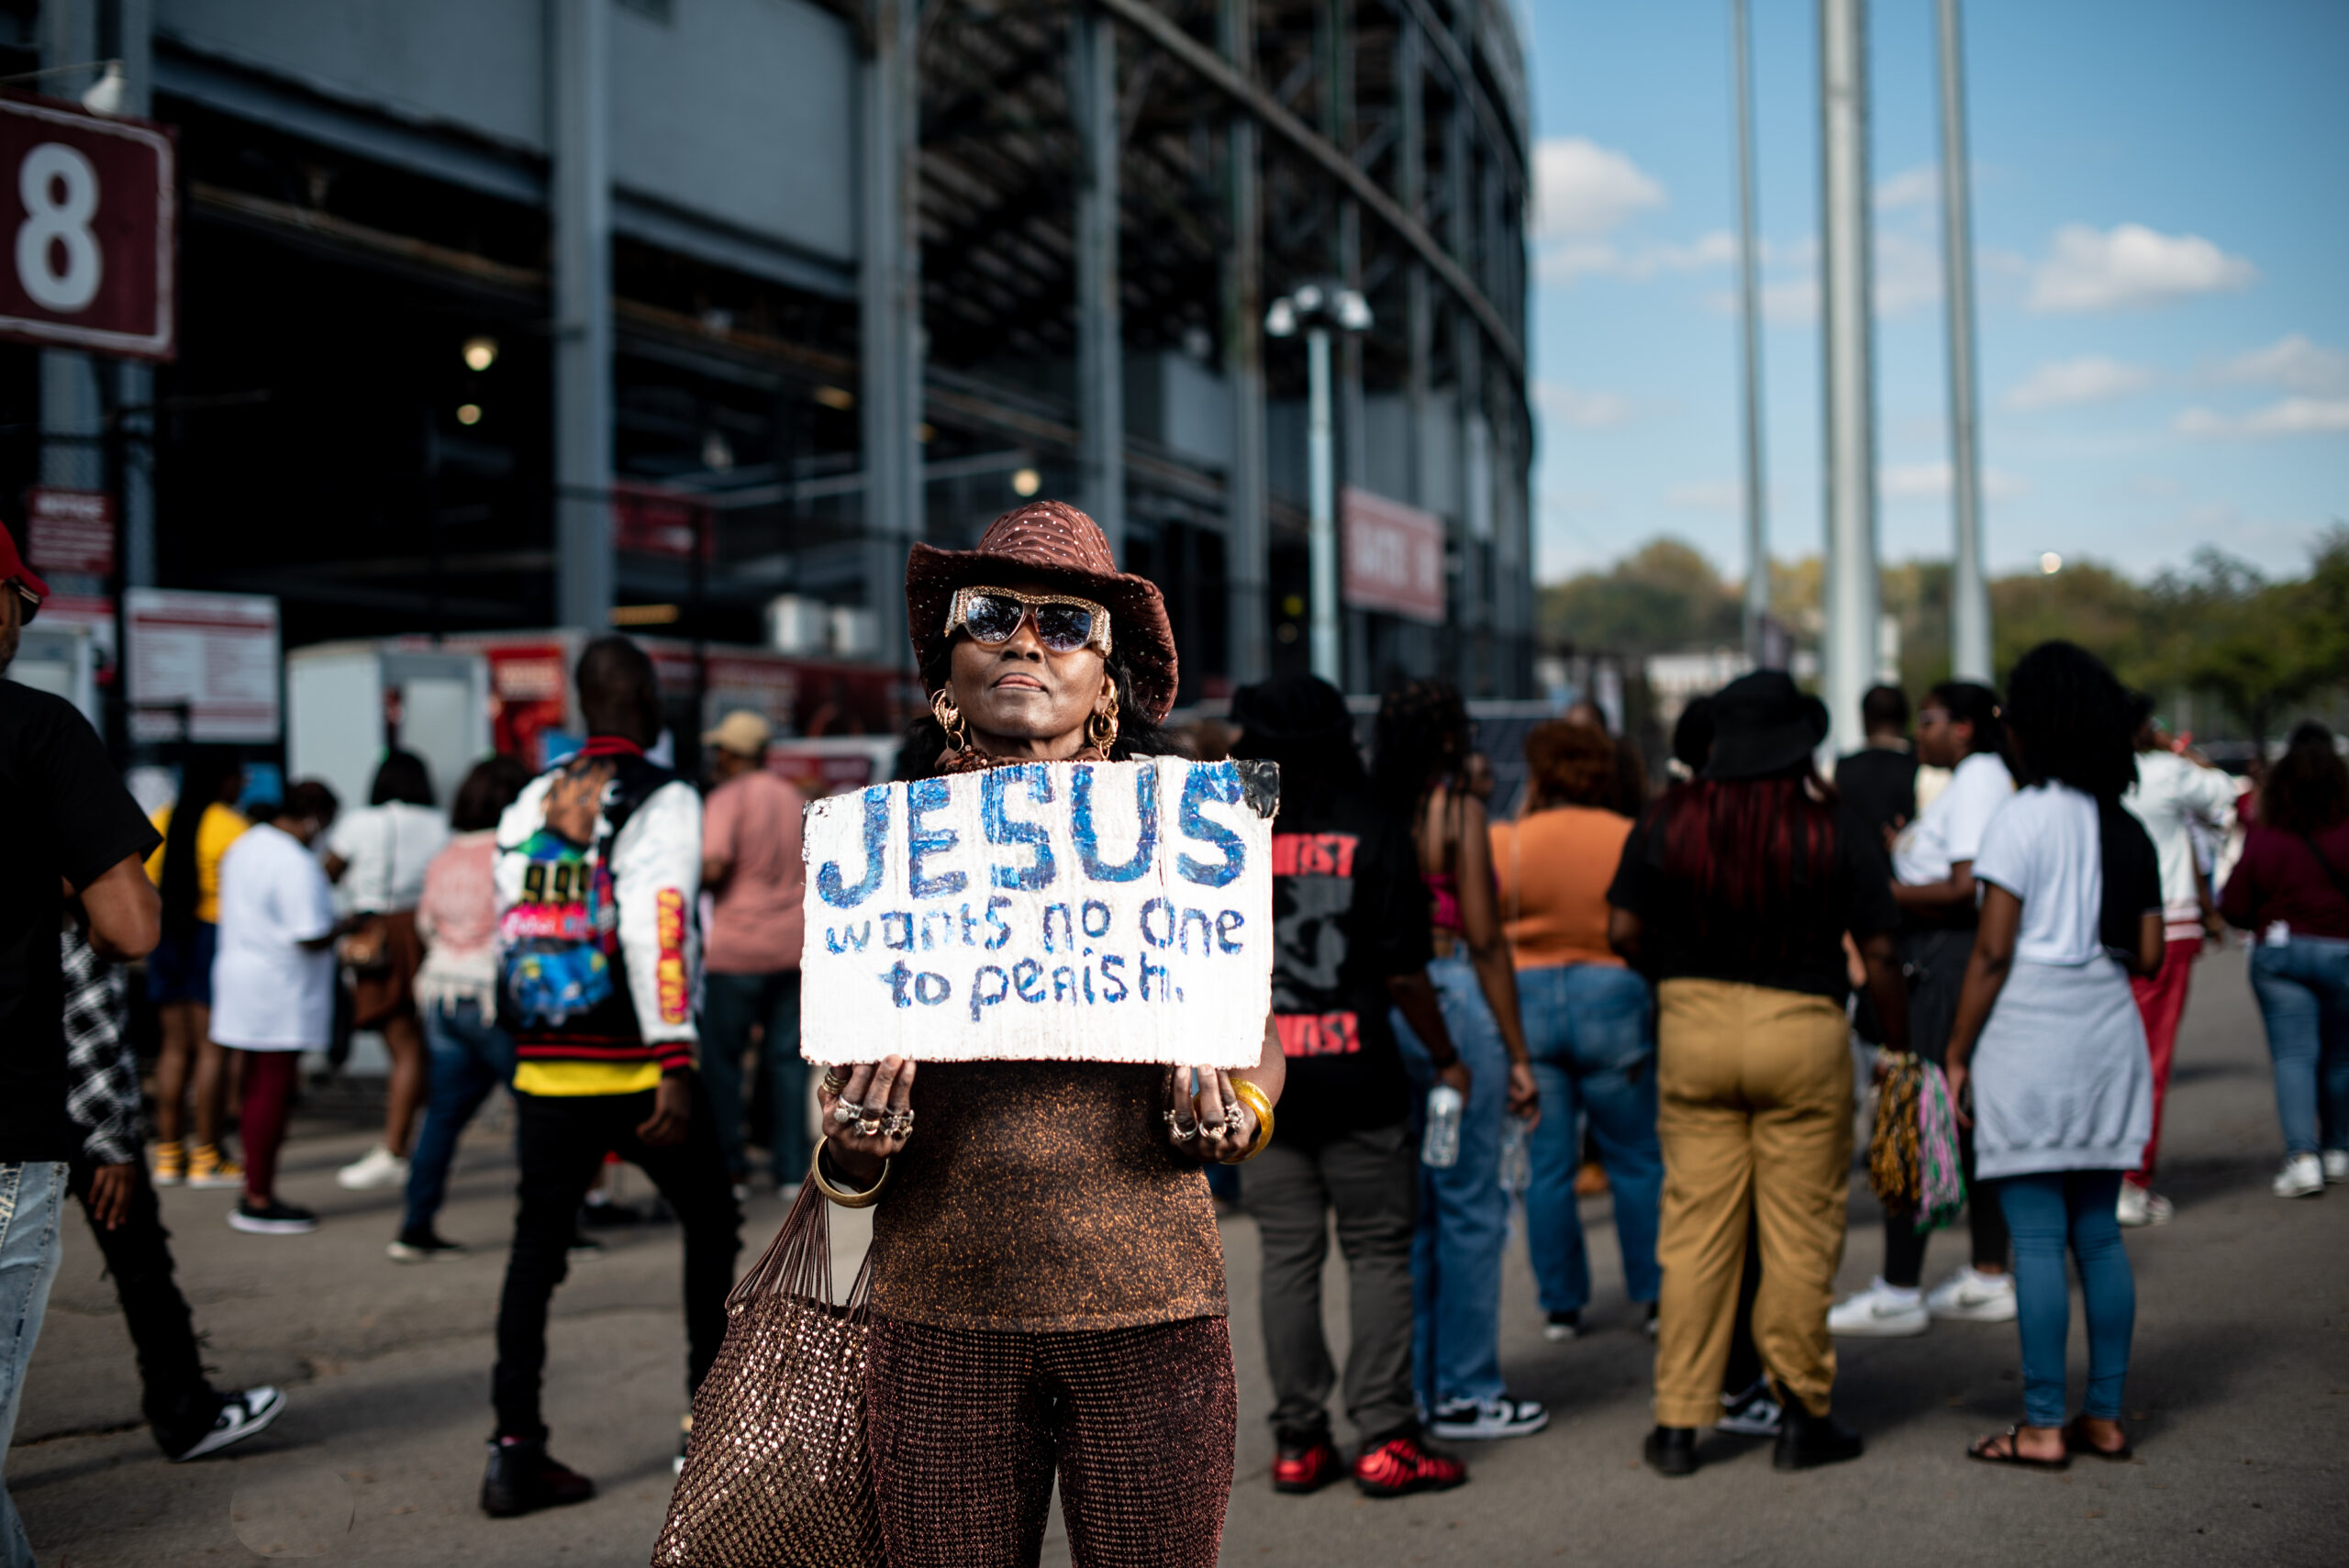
(1043, 911)
(212, 657)
(1394, 557)
(89, 217)
(72, 530)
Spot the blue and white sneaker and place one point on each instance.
(1476, 1419)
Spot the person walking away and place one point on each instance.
(377, 855)
(189, 1064)
(456, 996)
(1350, 942)
(2047, 1058)
(273, 985)
(598, 867)
(750, 855)
(1959, 731)
(1424, 742)
(2176, 796)
(1879, 780)
(1589, 1021)
(76, 833)
(2290, 890)
(1735, 894)
(187, 1415)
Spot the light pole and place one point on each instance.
(1969, 599)
(1316, 308)
(1757, 528)
(1848, 659)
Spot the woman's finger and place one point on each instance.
(901, 1091)
(860, 1078)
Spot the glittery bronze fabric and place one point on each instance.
(1042, 1196)
(969, 1428)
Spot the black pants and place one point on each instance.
(179, 1405)
(1934, 961)
(562, 1140)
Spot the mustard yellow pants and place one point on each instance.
(1755, 1113)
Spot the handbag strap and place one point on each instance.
(2340, 881)
(799, 1261)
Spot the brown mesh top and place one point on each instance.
(1040, 1195)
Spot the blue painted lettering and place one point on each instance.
(1025, 974)
(876, 837)
(979, 998)
(1088, 842)
(1165, 908)
(931, 989)
(1005, 829)
(922, 798)
(1217, 781)
(1226, 923)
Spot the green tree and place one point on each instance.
(1662, 597)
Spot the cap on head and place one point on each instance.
(742, 732)
(14, 570)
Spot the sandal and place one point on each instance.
(1980, 1448)
(2075, 1441)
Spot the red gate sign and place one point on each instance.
(72, 530)
(1394, 557)
(88, 228)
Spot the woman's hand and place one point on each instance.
(1208, 1126)
(877, 1098)
(1524, 1095)
(110, 1190)
(1956, 1074)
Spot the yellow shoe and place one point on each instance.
(171, 1165)
(208, 1168)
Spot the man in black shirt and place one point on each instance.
(1879, 781)
(1351, 939)
(77, 833)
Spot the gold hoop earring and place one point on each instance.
(949, 719)
(1101, 729)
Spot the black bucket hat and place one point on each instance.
(1764, 724)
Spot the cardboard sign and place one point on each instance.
(1043, 911)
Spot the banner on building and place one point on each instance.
(202, 666)
(1394, 557)
(90, 203)
(1052, 911)
(71, 530)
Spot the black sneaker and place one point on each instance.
(1753, 1413)
(1648, 1323)
(272, 1219)
(240, 1417)
(523, 1477)
(1806, 1441)
(1671, 1451)
(585, 1246)
(423, 1247)
(1562, 1327)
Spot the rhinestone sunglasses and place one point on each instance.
(1064, 623)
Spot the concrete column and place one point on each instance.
(1473, 618)
(889, 307)
(1100, 357)
(1410, 190)
(581, 195)
(1848, 660)
(1248, 539)
(73, 416)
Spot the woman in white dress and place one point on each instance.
(2049, 1040)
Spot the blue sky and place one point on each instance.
(2161, 214)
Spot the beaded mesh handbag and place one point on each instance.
(777, 1471)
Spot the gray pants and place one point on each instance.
(1371, 1180)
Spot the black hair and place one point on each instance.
(1302, 723)
(403, 777)
(2071, 718)
(204, 776)
(1139, 735)
(2141, 710)
(310, 798)
(618, 691)
(1885, 707)
(1968, 703)
(2307, 789)
(1692, 735)
(494, 784)
(1422, 739)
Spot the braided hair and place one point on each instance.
(1422, 740)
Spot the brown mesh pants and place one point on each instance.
(969, 1427)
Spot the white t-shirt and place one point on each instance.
(2043, 847)
(269, 993)
(387, 848)
(1950, 828)
(2171, 797)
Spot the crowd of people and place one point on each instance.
(1680, 994)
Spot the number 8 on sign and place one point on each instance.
(51, 225)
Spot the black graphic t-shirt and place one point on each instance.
(1348, 911)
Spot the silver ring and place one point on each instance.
(845, 1112)
(1232, 1113)
(897, 1124)
(1184, 1130)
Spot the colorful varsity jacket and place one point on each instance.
(598, 952)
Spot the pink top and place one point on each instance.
(457, 917)
(751, 823)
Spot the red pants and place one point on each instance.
(269, 1099)
(2161, 1002)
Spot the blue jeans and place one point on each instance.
(470, 1056)
(2046, 1211)
(1464, 1214)
(730, 1005)
(1590, 1030)
(32, 1197)
(2303, 990)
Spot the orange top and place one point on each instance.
(1553, 869)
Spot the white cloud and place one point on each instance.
(1921, 186)
(2130, 264)
(1931, 481)
(2293, 363)
(2093, 378)
(1577, 259)
(2292, 417)
(1707, 495)
(1908, 277)
(1582, 190)
(1584, 411)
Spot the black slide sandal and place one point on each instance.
(1980, 1449)
(2075, 1441)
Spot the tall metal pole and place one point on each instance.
(1321, 541)
(889, 319)
(1100, 367)
(1757, 520)
(1247, 551)
(1969, 596)
(582, 344)
(1849, 662)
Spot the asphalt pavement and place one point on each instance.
(2241, 1369)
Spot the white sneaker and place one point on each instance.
(2141, 1206)
(2336, 1166)
(1880, 1312)
(1478, 1419)
(1970, 1296)
(2302, 1176)
(379, 1167)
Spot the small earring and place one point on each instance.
(1101, 729)
(949, 719)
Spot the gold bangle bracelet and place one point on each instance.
(864, 1199)
(1256, 1100)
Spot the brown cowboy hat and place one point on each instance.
(1054, 540)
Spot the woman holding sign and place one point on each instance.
(1048, 1286)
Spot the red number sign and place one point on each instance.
(88, 226)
